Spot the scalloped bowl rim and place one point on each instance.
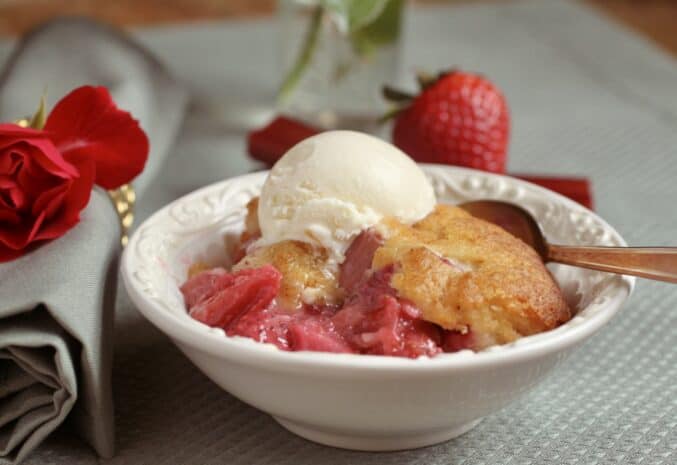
(199, 336)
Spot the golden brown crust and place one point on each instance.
(463, 272)
(460, 271)
(197, 268)
(306, 276)
(251, 222)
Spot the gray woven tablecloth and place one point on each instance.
(587, 97)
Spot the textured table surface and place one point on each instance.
(587, 98)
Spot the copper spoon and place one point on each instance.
(659, 263)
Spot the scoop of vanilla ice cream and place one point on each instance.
(328, 188)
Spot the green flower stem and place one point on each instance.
(305, 55)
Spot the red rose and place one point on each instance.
(41, 194)
(46, 176)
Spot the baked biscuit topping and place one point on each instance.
(463, 273)
(446, 283)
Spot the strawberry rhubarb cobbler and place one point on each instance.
(347, 251)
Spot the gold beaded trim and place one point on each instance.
(123, 199)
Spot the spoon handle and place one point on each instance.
(659, 263)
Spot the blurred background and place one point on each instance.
(654, 18)
(590, 86)
(338, 85)
(243, 62)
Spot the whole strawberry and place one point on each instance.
(459, 118)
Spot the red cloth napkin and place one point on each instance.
(270, 142)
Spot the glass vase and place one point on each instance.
(334, 58)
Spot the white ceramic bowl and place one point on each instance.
(358, 401)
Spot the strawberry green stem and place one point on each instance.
(425, 79)
(395, 95)
(390, 114)
(306, 54)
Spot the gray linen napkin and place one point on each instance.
(57, 303)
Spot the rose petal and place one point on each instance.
(76, 199)
(13, 196)
(10, 162)
(50, 200)
(31, 176)
(8, 215)
(43, 152)
(86, 122)
(19, 237)
(57, 228)
(37, 224)
(81, 189)
(7, 254)
(6, 182)
(15, 131)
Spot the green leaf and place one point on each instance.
(352, 15)
(364, 12)
(383, 30)
(40, 116)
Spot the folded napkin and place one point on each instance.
(56, 303)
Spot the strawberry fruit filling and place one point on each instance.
(232, 295)
(373, 319)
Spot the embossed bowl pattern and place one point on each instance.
(357, 401)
